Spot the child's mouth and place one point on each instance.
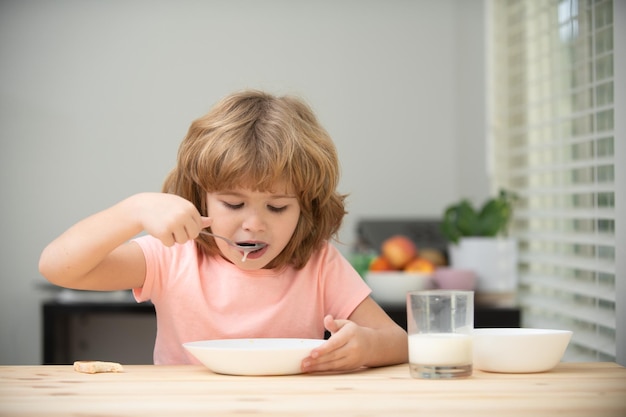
(250, 249)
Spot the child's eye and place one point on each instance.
(275, 209)
(233, 206)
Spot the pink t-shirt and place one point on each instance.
(200, 298)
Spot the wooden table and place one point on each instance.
(571, 389)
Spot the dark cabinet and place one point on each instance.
(484, 315)
(125, 331)
(114, 331)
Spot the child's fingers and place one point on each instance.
(330, 324)
(206, 221)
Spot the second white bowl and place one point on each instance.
(519, 350)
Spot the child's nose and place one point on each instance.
(253, 222)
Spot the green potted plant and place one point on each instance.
(478, 240)
(462, 219)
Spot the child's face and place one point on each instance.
(243, 215)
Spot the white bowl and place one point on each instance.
(253, 356)
(519, 350)
(390, 287)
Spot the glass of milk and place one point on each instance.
(439, 325)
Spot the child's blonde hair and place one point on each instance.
(253, 139)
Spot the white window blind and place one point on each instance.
(552, 121)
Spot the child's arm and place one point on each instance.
(93, 254)
(369, 338)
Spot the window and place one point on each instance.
(553, 142)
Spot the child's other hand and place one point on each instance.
(345, 350)
(169, 218)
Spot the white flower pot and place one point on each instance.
(494, 260)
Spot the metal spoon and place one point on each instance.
(244, 246)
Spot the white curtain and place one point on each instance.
(553, 142)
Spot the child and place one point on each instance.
(255, 169)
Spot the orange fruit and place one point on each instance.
(420, 265)
(380, 263)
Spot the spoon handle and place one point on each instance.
(230, 242)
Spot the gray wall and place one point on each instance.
(96, 95)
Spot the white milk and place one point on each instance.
(440, 349)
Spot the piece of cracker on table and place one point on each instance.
(94, 367)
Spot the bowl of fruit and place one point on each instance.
(398, 269)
